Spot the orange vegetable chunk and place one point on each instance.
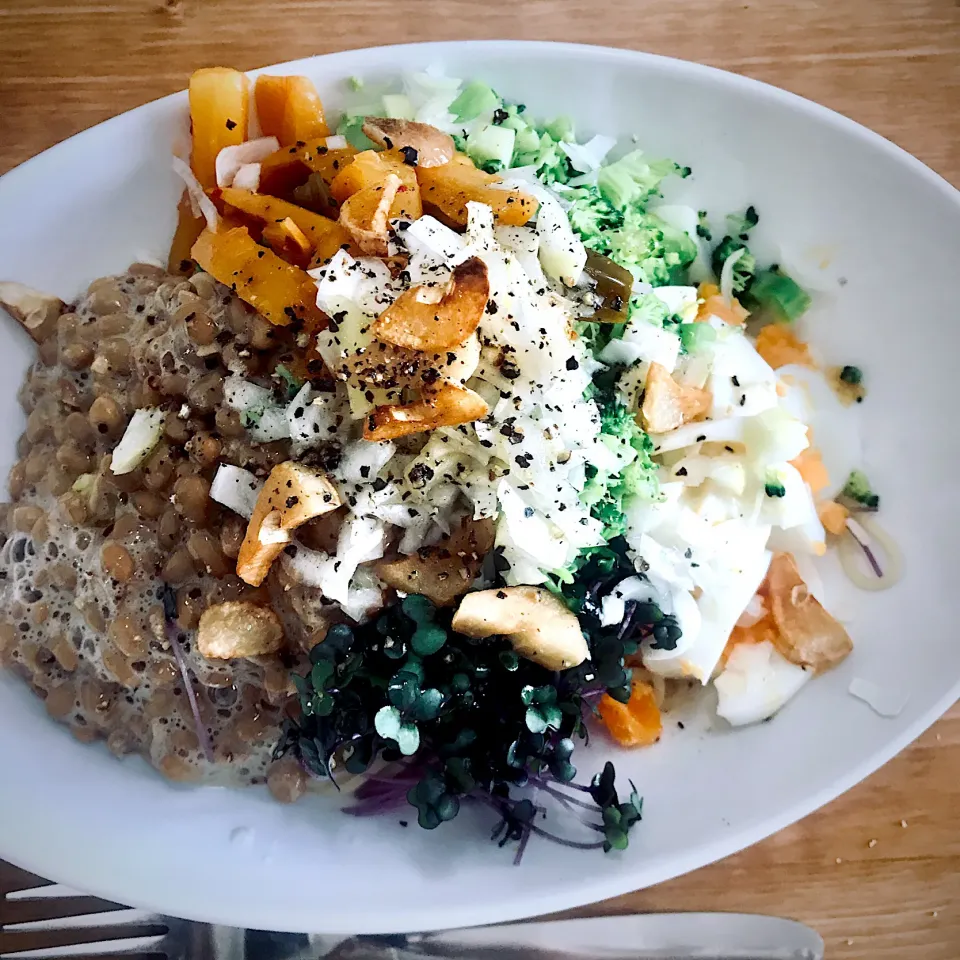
(290, 109)
(451, 186)
(219, 107)
(636, 723)
(188, 229)
(276, 289)
(326, 236)
(779, 346)
(369, 169)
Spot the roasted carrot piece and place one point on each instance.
(288, 241)
(290, 109)
(325, 235)
(779, 345)
(276, 289)
(290, 166)
(451, 186)
(636, 723)
(188, 229)
(219, 99)
(370, 168)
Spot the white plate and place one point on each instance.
(872, 228)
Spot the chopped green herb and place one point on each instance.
(852, 375)
(858, 489)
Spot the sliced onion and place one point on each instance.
(200, 203)
(862, 539)
(230, 160)
(726, 275)
(248, 177)
(336, 142)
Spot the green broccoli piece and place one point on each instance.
(703, 227)
(633, 180)
(774, 290)
(852, 375)
(744, 270)
(650, 248)
(858, 489)
(775, 489)
(742, 223)
(560, 128)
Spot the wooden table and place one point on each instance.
(894, 65)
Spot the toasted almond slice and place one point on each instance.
(427, 318)
(238, 628)
(262, 545)
(667, 404)
(365, 215)
(447, 407)
(444, 571)
(806, 634)
(291, 495)
(299, 493)
(433, 147)
(36, 312)
(540, 626)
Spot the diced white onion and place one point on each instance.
(141, 436)
(230, 160)
(235, 488)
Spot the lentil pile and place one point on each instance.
(90, 560)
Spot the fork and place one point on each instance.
(41, 919)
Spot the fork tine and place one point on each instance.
(35, 909)
(13, 878)
(41, 936)
(131, 948)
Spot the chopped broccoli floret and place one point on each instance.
(703, 228)
(772, 289)
(742, 223)
(474, 99)
(775, 489)
(857, 488)
(648, 307)
(633, 179)
(694, 336)
(651, 248)
(852, 375)
(744, 270)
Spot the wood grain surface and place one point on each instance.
(893, 65)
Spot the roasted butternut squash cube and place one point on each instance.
(276, 289)
(188, 229)
(452, 186)
(219, 107)
(326, 236)
(290, 109)
(369, 169)
(289, 167)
